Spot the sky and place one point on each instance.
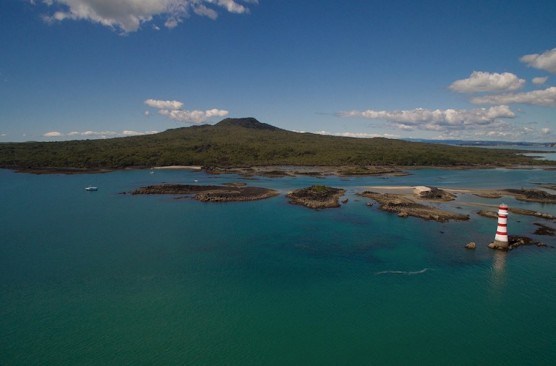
(432, 69)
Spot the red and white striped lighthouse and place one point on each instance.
(501, 238)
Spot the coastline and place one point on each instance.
(276, 171)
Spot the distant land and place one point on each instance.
(480, 143)
(246, 142)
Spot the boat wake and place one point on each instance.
(407, 273)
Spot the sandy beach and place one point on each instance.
(178, 167)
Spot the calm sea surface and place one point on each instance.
(101, 278)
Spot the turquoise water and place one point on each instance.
(98, 278)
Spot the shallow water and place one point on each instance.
(95, 278)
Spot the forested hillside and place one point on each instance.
(242, 142)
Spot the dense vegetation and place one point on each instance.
(242, 142)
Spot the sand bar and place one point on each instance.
(178, 167)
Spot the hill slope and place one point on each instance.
(241, 142)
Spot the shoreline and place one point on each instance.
(276, 171)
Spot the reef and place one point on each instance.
(518, 211)
(317, 196)
(545, 230)
(515, 241)
(228, 193)
(532, 195)
(404, 206)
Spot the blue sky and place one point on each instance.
(74, 69)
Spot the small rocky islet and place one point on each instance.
(405, 206)
(210, 193)
(317, 197)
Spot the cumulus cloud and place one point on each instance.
(540, 80)
(173, 110)
(543, 61)
(361, 135)
(96, 134)
(507, 132)
(194, 116)
(546, 97)
(480, 81)
(437, 120)
(128, 15)
(448, 123)
(164, 104)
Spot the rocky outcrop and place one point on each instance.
(471, 245)
(518, 211)
(230, 193)
(404, 206)
(515, 241)
(489, 214)
(434, 193)
(545, 230)
(317, 196)
(532, 195)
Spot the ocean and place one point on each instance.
(104, 278)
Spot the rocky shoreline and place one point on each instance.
(314, 171)
(224, 193)
(317, 197)
(515, 241)
(532, 195)
(518, 211)
(404, 206)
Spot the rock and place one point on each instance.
(317, 197)
(404, 207)
(545, 230)
(532, 195)
(433, 193)
(515, 241)
(210, 193)
(471, 245)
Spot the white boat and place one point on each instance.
(91, 189)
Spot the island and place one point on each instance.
(224, 193)
(532, 195)
(317, 197)
(247, 143)
(405, 206)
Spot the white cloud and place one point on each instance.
(543, 61)
(546, 97)
(437, 120)
(194, 116)
(136, 133)
(540, 80)
(356, 134)
(506, 132)
(546, 131)
(164, 104)
(480, 81)
(96, 134)
(128, 15)
(173, 110)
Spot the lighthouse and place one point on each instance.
(501, 238)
